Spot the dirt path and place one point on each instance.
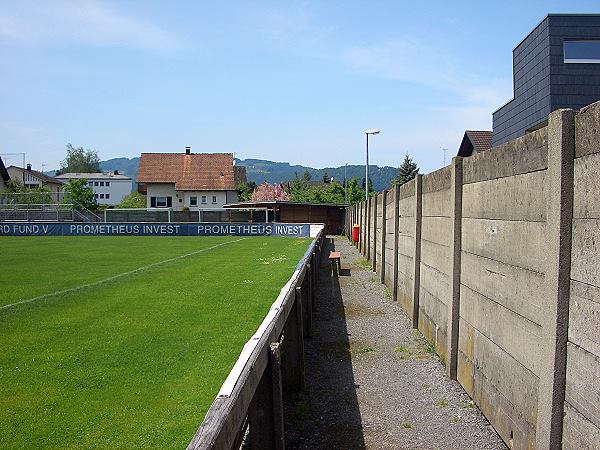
(372, 381)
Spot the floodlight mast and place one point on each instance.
(367, 133)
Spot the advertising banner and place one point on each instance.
(155, 229)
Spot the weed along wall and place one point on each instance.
(495, 260)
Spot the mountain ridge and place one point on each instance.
(261, 170)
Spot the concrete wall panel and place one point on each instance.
(518, 290)
(578, 432)
(433, 317)
(587, 187)
(585, 264)
(587, 131)
(584, 317)
(437, 203)
(516, 335)
(436, 256)
(504, 390)
(435, 282)
(521, 197)
(583, 388)
(526, 154)
(519, 244)
(438, 230)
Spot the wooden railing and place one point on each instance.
(250, 402)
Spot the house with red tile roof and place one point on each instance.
(475, 142)
(189, 180)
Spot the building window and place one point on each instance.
(161, 202)
(204, 199)
(95, 195)
(107, 196)
(214, 199)
(582, 51)
(108, 183)
(193, 201)
(102, 183)
(91, 183)
(101, 195)
(95, 183)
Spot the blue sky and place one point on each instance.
(285, 81)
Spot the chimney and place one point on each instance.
(29, 167)
(188, 150)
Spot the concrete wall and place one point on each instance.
(582, 399)
(494, 258)
(502, 278)
(436, 258)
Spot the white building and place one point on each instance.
(109, 188)
(196, 181)
(33, 179)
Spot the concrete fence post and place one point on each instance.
(365, 225)
(265, 415)
(456, 183)
(555, 320)
(416, 287)
(374, 231)
(383, 235)
(359, 244)
(396, 207)
(369, 228)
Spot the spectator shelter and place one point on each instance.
(330, 214)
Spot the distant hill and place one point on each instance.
(259, 170)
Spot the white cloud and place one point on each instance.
(417, 61)
(81, 22)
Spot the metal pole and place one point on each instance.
(367, 171)
(346, 183)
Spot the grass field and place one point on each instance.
(135, 361)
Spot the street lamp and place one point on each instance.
(368, 132)
(346, 183)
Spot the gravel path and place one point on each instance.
(372, 382)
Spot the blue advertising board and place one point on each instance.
(155, 229)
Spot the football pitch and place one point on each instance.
(123, 342)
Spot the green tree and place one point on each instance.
(371, 190)
(355, 193)
(79, 191)
(245, 190)
(407, 171)
(133, 200)
(79, 160)
(16, 192)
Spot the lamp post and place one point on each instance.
(346, 183)
(367, 133)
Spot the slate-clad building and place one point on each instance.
(556, 66)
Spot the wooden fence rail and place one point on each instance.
(251, 400)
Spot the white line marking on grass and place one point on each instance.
(114, 277)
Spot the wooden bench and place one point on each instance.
(335, 259)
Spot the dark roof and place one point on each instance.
(477, 141)
(272, 203)
(42, 176)
(3, 172)
(193, 172)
